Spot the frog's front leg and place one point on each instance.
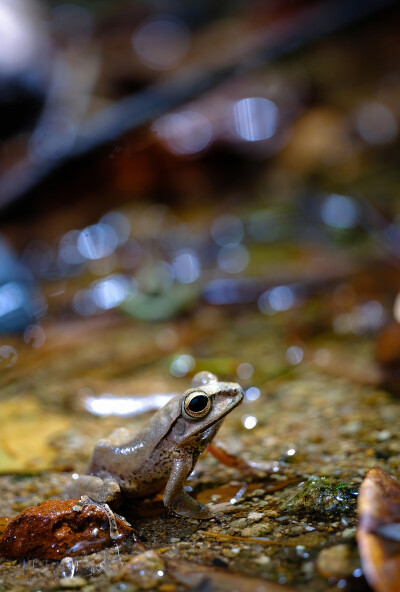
(99, 492)
(175, 497)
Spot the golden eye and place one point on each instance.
(197, 404)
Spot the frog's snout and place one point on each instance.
(237, 392)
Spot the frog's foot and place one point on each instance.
(220, 511)
(85, 500)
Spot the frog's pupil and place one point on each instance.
(198, 403)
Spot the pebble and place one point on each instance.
(144, 570)
(231, 553)
(349, 533)
(255, 516)
(72, 582)
(384, 435)
(257, 530)
(258, 493)
(263, 560)
(337, 562)
(238, 524)
(122, 587)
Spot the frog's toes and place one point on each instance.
(221, 509)
(83, 501)
(123, 519)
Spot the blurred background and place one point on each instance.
(166, 165)
(160, 160)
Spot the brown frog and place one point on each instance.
(164, 453)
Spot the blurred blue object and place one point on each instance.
(21, 302)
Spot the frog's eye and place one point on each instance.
(197, 404)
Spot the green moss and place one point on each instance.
(320, 496)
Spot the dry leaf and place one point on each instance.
(379, 545)
(25, 435)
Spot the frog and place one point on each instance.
(128, 466)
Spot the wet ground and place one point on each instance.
(317, 424)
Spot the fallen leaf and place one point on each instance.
(25, 435)
(379, 515)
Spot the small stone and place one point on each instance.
(337, 562)
(308, 567)
(263, 560)
(174, 540)
(144, 570)
(258, 493)
(238, 524)
(255, 516)
(349, 533)
(122, 587)
(384, 435)
(215, 497)
(257, 530)
(231, 553)
(72, 582)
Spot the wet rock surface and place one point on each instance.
(53, 530)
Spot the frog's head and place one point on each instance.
(204, 405)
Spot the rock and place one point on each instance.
(318, 496)
(53, 530)
(237, 525)
(72, 582)
(338, 562)
(255, 516)
(257, 530)
(145, 570)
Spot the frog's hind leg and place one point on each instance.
(103, 491)
(218, 450)
(99, 492)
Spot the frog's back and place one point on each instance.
(130, 457)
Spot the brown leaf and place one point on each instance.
(26, 434)
(379, 512)
(53, 530)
